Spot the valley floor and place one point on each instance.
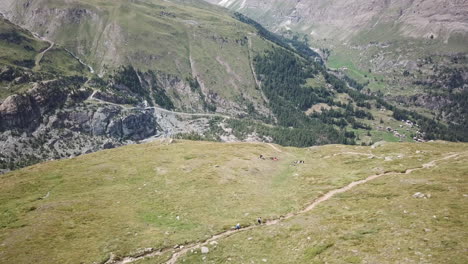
(177, 202)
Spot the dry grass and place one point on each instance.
(121, 200)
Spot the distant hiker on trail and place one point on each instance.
(259, 220)
(238, 226)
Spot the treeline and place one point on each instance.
(284, 77)
(194, 136)
(458, 110)
(345, 117)
(159, 94)
(295, 137)
(355, 84)
(195, 87)
(302, 47)
(347, 114)
(128, 77)
(342, 87)
(319, 134)
(126, 84)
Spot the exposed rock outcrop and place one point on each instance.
(23, 112)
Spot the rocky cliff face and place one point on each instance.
(54, 120)
(23, 112)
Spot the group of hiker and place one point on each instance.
(270, 158)
(276, 159)
(238, 226)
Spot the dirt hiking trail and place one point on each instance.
(274, 147)
(39, 56)
(178, 252)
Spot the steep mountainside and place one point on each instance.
(178, 40)
(412, 52)
(100, 74)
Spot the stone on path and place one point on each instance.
(205, 250)
(421, 195)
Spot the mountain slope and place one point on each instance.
(177, 40)
(137, 199)
(25, 58)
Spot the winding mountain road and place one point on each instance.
(92, 97)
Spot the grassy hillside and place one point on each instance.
(380, 221)
(158, 195)
(17, 55)
(19, 47)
